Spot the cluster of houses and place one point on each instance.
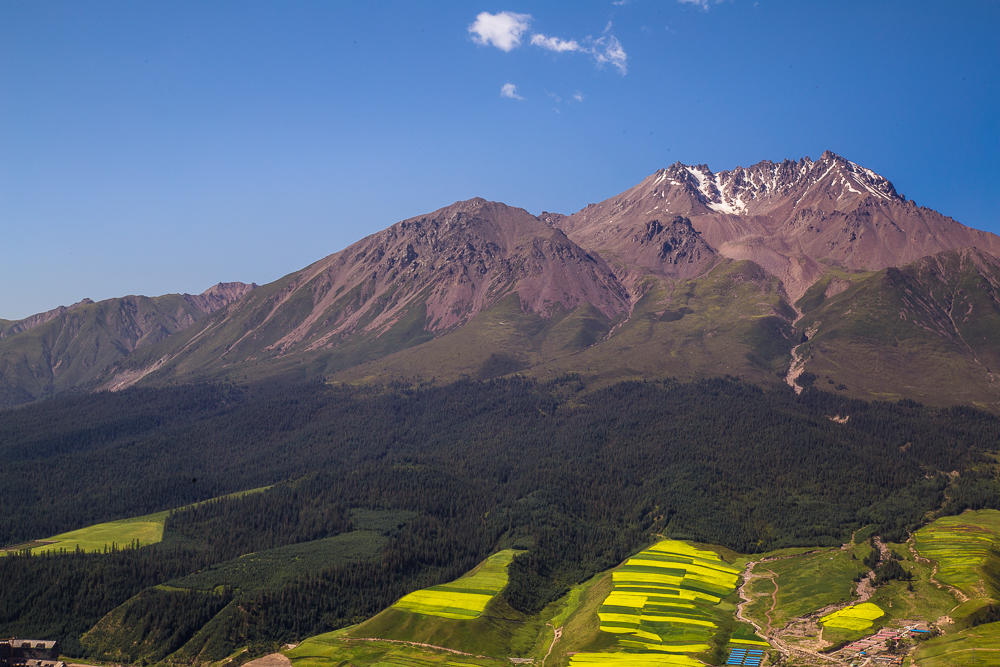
(29, 653)
(872, 647)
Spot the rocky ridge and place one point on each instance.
(688, 273)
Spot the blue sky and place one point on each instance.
(156, 147)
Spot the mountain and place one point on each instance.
(794, 219)
(418, 279)
(70, 346)
(689, 274)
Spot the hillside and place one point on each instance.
(926, 330)
(377, 492)
(69, 347)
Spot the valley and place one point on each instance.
(746, 417)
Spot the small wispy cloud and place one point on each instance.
(502, 30)
(510, 90)
(605, 50)
(608, 50)
(554, 43)
(578, 97)
(704, 4)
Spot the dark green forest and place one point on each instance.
(577, 478)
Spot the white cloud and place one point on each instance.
(505, 29)
(578, 97)
(554, 43)
(501, 30)
(608, 51)
(704, 4)
(510, 90)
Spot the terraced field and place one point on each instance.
(856, 617)
(661, 606)
(959, 544)
(463, 598)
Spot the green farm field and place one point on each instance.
(147, 529)
(432, 617)
(974, 647)
(960, 544)
(926, 600)
(672, 605)
(329, 649)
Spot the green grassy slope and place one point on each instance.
(960, 545)
(734, 320)
(75, 347)
(499, 341)
(465, 616)
(929, 331)
(142, 530)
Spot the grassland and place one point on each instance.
(329, 649)
(875, 338)
(956, 650)
(960, 545)
(805, 584)
(721, 323)
(147, 529)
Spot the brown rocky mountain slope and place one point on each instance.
(418, 279)
(792, 218)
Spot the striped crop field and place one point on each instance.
(959, 544)
(857, 617)
(465, 597)
(661, 606)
